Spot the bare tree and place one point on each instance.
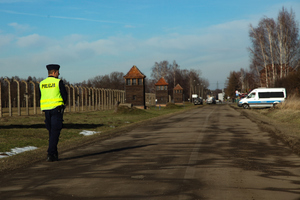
(259, 42)
(275, 47)
(175, 68)
(161, 69)
(117, 80)
(288, 39)
(232, 84)
(113, 81)
(270, 26)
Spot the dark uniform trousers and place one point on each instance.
(54, 123)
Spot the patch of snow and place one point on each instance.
(16, 150)
(85, 133)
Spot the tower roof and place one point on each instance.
(178, 87)
(162, 82)
(134, 72)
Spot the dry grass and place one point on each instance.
(292, 103)
(286, 114)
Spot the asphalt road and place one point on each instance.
(208, 153)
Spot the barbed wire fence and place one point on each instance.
(24, 99)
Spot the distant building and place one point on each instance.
(161, 88)
(135, 87)
(178, 94)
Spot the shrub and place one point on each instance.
(172, 106)
(127, 110)
(291, 83)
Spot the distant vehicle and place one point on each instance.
(211, 100)
(198, 101)
(221, 97)
(263, 98)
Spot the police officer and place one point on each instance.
(53, 99)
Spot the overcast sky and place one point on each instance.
(96, 37)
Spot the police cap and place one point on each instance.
(53, 67)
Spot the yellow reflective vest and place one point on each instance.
(50, 94)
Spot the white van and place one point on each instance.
(263, 98)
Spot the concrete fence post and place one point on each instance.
(78, 98)
(110, 98)
(9, 98)
(89, 92)
(18, 97)
(93, 99)
(102, 99)
(81, 98)
(86, 98)
(73, 98)
(98, 92)
(105, 99)
(69, 98)
(26, 97)
(34, 97)
(0, 100)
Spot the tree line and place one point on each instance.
(274, 56)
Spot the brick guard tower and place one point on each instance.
(135, 87)
(178, 94)
(161, 88)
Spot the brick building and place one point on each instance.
(178, 94)
(135, 87)
(161, 91)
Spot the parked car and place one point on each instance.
(198, 101)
